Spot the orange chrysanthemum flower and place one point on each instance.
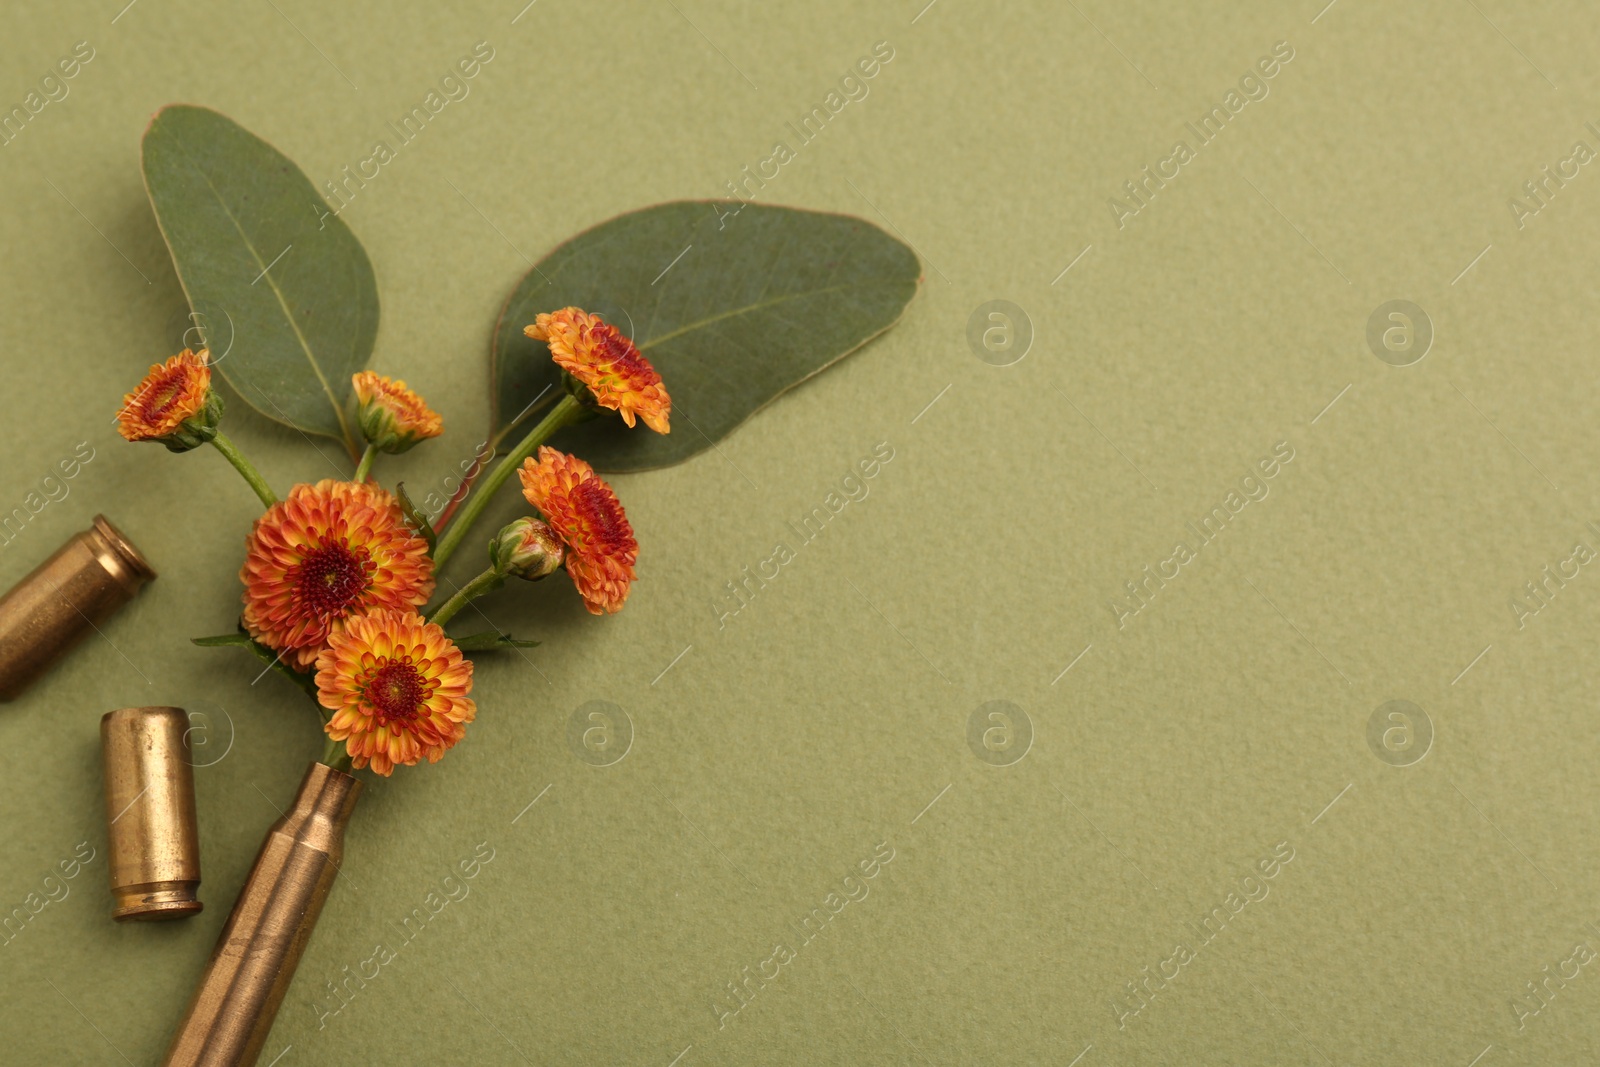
(327, 552)
(170, 395)
(397, 687)
(596, 354)
(588, 518)
(391, 416)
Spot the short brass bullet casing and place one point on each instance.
(66, 597)
(153, 838)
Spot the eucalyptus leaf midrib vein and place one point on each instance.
(305, 348)
(746, 310)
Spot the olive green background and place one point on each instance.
(775, 748)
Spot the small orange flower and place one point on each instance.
(172, 394)
(397, 687)
(392, 417)
(327, 552)
(588, 519)
(596, 354)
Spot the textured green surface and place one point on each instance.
(775, 748)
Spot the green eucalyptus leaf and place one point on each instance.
(731, 308)
(488, 641)
(282, 289)
(415, 518)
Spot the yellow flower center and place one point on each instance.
(161, 399)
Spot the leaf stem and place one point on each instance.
(467, 482)
(479, 465)
(488, 581)
(365, 466)
(336, 755)
(567, 411)
(244, 467)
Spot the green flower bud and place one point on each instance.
(526, 549)
(392, 417)
(199, 428)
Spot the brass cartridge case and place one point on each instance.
(64, 598)
(255, 959)
(154, 840)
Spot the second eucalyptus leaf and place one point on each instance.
(731, 306)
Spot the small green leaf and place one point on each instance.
(488, 641)
(732, 309)
(261, 652)
(414, 516)
(284, 291)
(222, 641)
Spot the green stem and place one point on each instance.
(567, 411)
(243, 466)
(486, 582)
(365, 466)
(336, 755)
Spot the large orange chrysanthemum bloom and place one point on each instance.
(587, 517)
(327, 552)
(397, 687)
(391, 416)
(170, 395)
(596, 354)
